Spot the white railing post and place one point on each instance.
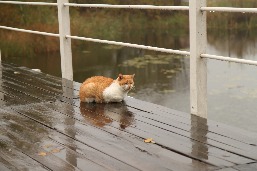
(198, 65)
(65, 43)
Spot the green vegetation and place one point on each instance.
(143, 61)
(112, 24)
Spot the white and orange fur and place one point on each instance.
(101, 89)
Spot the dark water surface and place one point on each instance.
(164, 78)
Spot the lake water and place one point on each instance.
(164, 78)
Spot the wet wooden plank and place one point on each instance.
(55, 151)
(32, 150)
(45, 80)
(188, 135)
(6, 165)
(9, 99)
(11, 156)
(60, 108)
(246, 167)
(182, 141)
(54, 121)
(216, 161)
(111, 116)
(16, 160)
(117, 147)
(12, 90)
(34, 84)
(185, 119)
(29, 91)
(243, 167)
(4, 168)
(227, 169)
(221, 140)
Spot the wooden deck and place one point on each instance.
(43, 126)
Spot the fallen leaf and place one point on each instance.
(149, 140)
(55, 150)
(42, 154)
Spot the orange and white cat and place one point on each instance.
(101, 89)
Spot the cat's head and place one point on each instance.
(126, 81)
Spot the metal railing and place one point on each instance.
(198, 41)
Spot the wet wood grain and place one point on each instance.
(42, 113)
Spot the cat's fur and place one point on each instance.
(101, 89)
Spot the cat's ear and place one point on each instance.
(120, 77)
(132, 76)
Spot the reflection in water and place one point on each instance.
(199, 130)
(233, 43)
(103, 114)
(1, 88)
(67, 87)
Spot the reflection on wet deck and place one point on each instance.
(43, 126)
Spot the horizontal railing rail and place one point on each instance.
(229, 9)
(30, 31)
(28, 3)
(179, 52)
(229, 59)
(197, 18)
(151, 7)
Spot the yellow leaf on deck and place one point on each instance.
(42, 154)
(55, 150)
(148, 140)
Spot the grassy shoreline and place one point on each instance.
(108, 24)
